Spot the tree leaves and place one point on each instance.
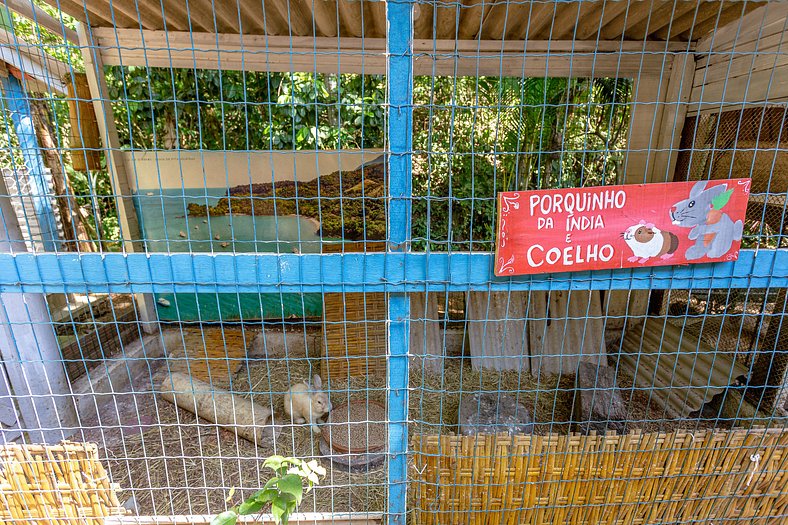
(250, 506)
(238, 110)
(292, 484)
(284, 491)
(228, 517)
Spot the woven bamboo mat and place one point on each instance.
(211, 354)
(61, 484)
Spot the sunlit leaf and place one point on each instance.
(228, 517)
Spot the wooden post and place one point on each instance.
(30, 352)
(85, 139)
(565, 328)
(497, 330)
(427, 343)
(105, 118)
(674, 111)
(769, 382)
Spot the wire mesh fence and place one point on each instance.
(237, 230)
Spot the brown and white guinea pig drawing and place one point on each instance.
(647, 241)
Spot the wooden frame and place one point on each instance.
(174, 49)
(105, 118)
(662, 74)
(743, 64)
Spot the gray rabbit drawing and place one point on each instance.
(712, 230)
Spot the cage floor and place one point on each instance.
(171, 462)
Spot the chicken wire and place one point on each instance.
(290, 189)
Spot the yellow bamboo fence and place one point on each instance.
(677, 477)
(55, 485)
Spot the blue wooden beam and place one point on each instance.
(399, 78)
(354, 272)
(16, 102)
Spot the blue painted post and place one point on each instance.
(22, 117)
(399, 14)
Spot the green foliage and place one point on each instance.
(760, 234)
(51, 43)
(283, 492)
(237, 110)
(93, 192)
(472, 136)
(475, 137)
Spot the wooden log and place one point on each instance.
(496, 330)
(237, 414)
(598, 402)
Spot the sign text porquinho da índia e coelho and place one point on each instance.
(629, 226)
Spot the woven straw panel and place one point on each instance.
(58, 485)
(354, 341)
(676, 477)
(211, 354)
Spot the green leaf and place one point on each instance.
(274, 462)
(228, 517)
(292, 484)
(280, 508)
(721, 200)
(267, 494)
(250, 506)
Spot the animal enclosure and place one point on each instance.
(218, 215)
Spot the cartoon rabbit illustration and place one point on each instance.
(712, 230)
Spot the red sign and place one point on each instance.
(620, 226)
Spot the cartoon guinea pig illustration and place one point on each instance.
(647, 241)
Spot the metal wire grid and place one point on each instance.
(457, 154)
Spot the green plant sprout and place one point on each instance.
(283, 492)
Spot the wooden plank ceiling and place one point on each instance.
(658, 20)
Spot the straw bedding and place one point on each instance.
(185, 466)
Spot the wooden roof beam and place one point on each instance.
(367, 55)
(325, 16)
(40, 17)
(679, 25)
(659, 18)
(540, 20)
(726, 16)
(78, 11)
(143, 13)
(569, 17)
(182, 19)
(636, 13)
(592, 25)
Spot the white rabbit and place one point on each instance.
(305, 403)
